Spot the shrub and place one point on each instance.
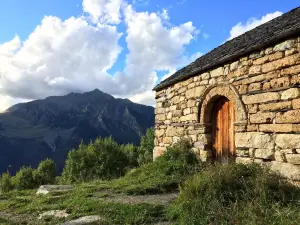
(45, 173)
(101, 159)
(236, 194)
(163, 175)
(131, 152)
(145, 150)
(182, 152)
(24, 179)
(6, 183)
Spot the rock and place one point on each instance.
(242, 160)
(160, 110)
(296, 103)
(280, 82)
(159, 132)
(292, 116)
(275, 106)
(86, 220)
(276, 128)
(190, 93)
(287, 141)
(217, 72)
(46, 189)
(205, 76)
(284, 45)
(199, 91)
(259, 98)
(255, 70)
(279, 156)
(293, 158)
(54, 213)
(262, 117)
(254, 87)
(290, 94)
(286, 170)
(158, 151)
(264, 154)
(291, 70)
(234, 65)
(160, 117)
(254, 140)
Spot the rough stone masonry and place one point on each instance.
(259, 72)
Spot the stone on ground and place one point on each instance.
(54, 213)
(46, 189)
(85, 220)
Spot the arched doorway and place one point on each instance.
(222, 121)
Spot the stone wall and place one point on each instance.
(265, 89)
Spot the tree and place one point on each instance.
(146, 147)
(6, 183)
(101, 159)
(24, 179)
(45, 173)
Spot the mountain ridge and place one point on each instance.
(50, 127)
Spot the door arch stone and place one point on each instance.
(212, 93)
(206, 105)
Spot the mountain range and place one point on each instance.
(50, 128)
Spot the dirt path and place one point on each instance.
(160, 199)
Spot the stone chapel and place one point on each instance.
(239, 102)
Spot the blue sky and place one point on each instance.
(121, 64)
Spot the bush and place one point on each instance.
(131, 152)
(6, 183)
(24, 179)
(145, 150)
(102, 159)
(45, 173)
(182, 152)
(163, 175)
(236, 194)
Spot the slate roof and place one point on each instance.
(276, 30)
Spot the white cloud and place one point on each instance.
(58, 57)
(251, 23)
(7, 101)
(103, 11)
(73, 55)
(146, 98)
(152, 47)
(140, 2)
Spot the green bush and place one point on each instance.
(24, 179)
(236, 194)
(102, 159)
(145, 150)
(45, 173)
(163, 175)
(6, 182)
(131, 152)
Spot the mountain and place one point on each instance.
(49, 128)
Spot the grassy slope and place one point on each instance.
(223, 194)
(79, 202)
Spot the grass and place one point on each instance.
(219, 194)
(77, 203)
(236, 194)
(162, 176)
(154, 178)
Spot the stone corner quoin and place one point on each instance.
(264, 87)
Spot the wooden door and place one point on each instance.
(223, 117)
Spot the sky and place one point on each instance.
(122, 47)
